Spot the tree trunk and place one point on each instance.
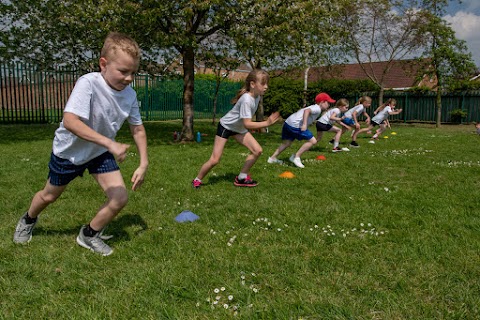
(305, 87)
(188, 90)
(215, 100)
(380, 95)
(438, 103)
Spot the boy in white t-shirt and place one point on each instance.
(296, 127)
(96, 109)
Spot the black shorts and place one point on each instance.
(322, 126)
(225, 133)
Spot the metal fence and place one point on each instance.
(30, 95)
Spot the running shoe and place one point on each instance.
(247, 182)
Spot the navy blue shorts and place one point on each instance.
(63, 171)
(225, 133)
(322, 126)
(348, 121)
(292, 133)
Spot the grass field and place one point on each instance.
(386, 231)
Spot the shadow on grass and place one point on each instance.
(117, 228)
(158, 133)
(219, 178)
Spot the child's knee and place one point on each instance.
(257, 152)
(119, 197)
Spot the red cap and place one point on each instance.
(323, 97)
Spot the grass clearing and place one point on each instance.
(386, 231)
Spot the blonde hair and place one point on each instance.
(116, 41)
(342, 103)
(256, 75)
(389, 102)
(363, 99)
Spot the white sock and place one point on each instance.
(197, 179)
(335, 144)
(242, 176)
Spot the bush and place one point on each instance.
(457, 115)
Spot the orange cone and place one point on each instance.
(321, 157)
(287, 174)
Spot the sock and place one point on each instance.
(335, 144)
(197, 179)
(29, 220)
(89, 232)
(242, 176)
(375, 135)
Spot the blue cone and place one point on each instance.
(186, 216)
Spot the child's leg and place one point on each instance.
(380, 130)
(356, 133)
(117, 197)
(319, 135)
(305, 147)
(338, 134)
(255, 150)
(43, 198)
(285, 144)
(217, 152)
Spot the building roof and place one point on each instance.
(402, 73)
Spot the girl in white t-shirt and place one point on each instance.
(236, 124)
(296, 127)
(327, 121)
(353, 114)
(381, 118)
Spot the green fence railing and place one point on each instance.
(31, 95)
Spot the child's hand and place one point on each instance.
(273, 118)
(138, 178)
(119, 150)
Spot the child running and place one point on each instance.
(327, 121)
(98, 106)
(380, 119)
(296, 127)
(236, 124)
(351, 117)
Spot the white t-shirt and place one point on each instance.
(382, 115)
(359, 108)
(245, 108)
(295, 120)
(325, 119)
(101, 108)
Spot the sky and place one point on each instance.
(464, 18)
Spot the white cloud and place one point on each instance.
(466, 26)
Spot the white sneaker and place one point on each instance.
(274, 160)
(345, 149)
(296, 161)
(371, 141)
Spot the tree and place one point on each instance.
(451, 62)
(380, 31)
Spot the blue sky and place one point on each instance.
(465, 21)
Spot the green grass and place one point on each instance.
(288, 249)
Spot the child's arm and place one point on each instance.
(367, 120)
(72, 123)
(252, 125)
(395, 112)
(140, 136)
(339, 120)
(354, 116)
(306, 113)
